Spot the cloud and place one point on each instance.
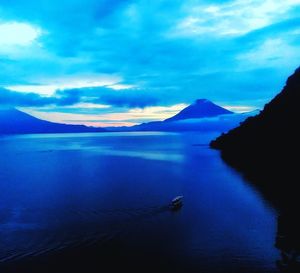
(12, 98)
(136, 53)
(128, 98)
(15, 33)
(232, 18)
(18, 39)
(272, 53)
(49, 87)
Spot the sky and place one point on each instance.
(124, 62)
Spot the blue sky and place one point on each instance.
(122, 62)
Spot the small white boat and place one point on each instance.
(177, 203)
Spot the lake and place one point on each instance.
(63, 191)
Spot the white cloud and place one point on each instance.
(49, 86)
(15, 33)
(239, 108)
(234, 18)
(20, 41)
(272, 53)
(120, 86)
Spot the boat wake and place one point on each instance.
(71, 229)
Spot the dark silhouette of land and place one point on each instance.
(13, 121)
(265, 149)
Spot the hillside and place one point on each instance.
(13, 121)
(266, 147)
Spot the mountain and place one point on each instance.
(202, 115)
(201, 108)
(13, 121)
(266, 147)
(221, 123)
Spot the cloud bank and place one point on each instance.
(134, 53)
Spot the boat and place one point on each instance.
(176, 203)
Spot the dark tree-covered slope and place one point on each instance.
(266, 147)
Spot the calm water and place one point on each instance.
(58, 191)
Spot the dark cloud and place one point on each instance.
(130, 101)
(12, 98)
(66, 98)
(128, 98)
(20, 99)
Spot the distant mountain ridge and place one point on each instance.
(203, 115)
(13, 121)
(201, 108)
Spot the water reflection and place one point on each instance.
(273, 184)
(288, 241)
